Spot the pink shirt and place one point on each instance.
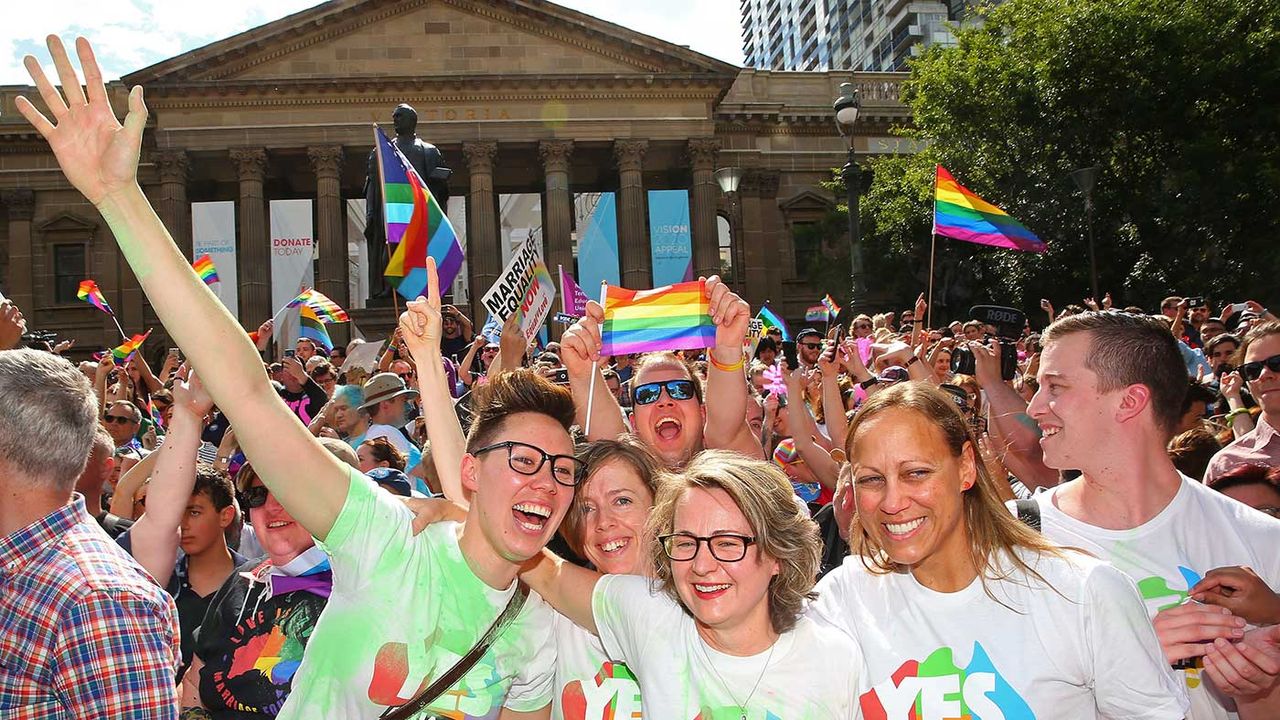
(1261, 446)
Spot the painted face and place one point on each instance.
(279, 534)
(615, 507)
(1266, 389)
(909, 490)
(519, 513)
(721, 595)
(672, 429)
(1222, 353)
(203, 525)
(1075, 419)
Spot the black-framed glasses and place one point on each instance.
(725, 547)
(1253, 370)
(120, 419)
(650, 392)
(255, 497)
(528, 459)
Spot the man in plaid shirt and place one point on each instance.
(84, 631)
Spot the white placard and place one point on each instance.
(293, 246)
(524, 286)
(364, 355)
(213, 233)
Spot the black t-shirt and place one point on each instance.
(834, 548)
(191, 606)
(455, 348)
(252, 645)
(307, 402)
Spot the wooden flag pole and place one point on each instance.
(933, 245)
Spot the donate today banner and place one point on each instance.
(293, 249)
(213, 233)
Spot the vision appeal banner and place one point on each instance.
(293, 250)
(213, 233)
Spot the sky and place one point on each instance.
(131, 34)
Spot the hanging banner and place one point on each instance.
(669, 238)
(292, 261)
(598, 248)
(213, 233)
(524, 287)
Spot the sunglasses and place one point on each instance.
(862, 326)
(406, 376)
(1253, 370)
(650, 392)
(120, 419)
(811, 346)
(255, 497)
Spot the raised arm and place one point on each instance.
(100, 158)
(833, 410)
(128, 484)
(800, 423)
(1016, 435)
(567, 587)
(726, 424)
(580, 353)
(420, 328)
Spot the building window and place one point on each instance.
(808, 245)
(68, 270)
(725, 238)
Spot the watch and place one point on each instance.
(873, 380)
(914, 359)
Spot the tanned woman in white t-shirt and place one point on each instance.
(960, 609)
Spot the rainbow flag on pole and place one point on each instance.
(90, 293)
(675, 317)
(830, 304)
(771, 319)
(415, 223)
(205, 269)
(311, 325)
(129, 348)
(324, 309)
(960, 214)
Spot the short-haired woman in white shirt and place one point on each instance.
(963, 611)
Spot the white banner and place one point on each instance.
(213, 233)
(525, 287)
(293, 249)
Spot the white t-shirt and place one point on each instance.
(590, 686)
(404, 609)
(812, 673)
(1083, 649)
(1200, 530)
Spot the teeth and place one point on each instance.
(613, 545)
(710, 588)
(541, 511)
(277, 524)
(1050, 432)
(668, 421)
(530, 526)
(904, 528)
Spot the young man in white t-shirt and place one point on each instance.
(1111, 388)
(403, 608)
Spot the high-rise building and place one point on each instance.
(865, 35)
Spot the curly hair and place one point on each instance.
(781, 526)
(625, 450)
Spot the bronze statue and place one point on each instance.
(429, 163)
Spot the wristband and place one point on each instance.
(914, 359)
(1233, 414)
(873, 380)
(742, 360)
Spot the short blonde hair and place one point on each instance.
(781, 526)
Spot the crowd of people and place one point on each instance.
(888, 517)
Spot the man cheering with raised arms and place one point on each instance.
(403, 609)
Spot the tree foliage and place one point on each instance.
(1177, 103)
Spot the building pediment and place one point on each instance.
(428, 40)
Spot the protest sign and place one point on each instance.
(525, 288)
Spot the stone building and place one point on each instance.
(522, 97)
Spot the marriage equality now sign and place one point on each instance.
(525, 287)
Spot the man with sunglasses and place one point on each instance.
(122, 420)
(808, 347)
(1110, 397)
(1260, 369)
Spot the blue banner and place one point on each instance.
(598, 248)
(670, 239)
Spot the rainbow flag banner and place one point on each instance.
(675, 317)
(416, 225)
(311, 325)
(771, 319)
(90, 293)
(830, 304)
(205, 269)
(816, 313)
(129, 348)
(960, 214)
(322, 307)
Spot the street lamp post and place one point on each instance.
(846, 108)
(728, 179)
(1084, 179)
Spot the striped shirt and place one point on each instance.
(86, 632)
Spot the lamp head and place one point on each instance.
(846, 108)
(728, 179)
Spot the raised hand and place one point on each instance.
(189, 395)
(580, 344)
(421, 320)
(922, 309)
(12, 325)
(1091, 303)
(1106, 301)
(1231, 384)
(98, 154)
(731, 315)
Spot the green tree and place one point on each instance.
(1178, 103)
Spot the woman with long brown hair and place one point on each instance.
(962, 610)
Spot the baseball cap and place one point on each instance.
(392, 480)
(806, 333)
(384, 386)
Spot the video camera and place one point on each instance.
(39, 339)
(1008, 323)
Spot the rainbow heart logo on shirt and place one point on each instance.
(937, 689)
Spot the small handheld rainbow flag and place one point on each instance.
(322, 307)
(205, 269)
(125, 351)
(816, 313)
(415, 224)
(675, 317)
(311, 325)
(771, 319)
(960, 214)
(830, 304)
(90, 293)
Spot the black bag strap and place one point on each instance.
(1028, 513)
(464, 664)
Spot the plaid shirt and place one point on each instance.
(84, 631)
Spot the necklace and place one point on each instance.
(742, 706)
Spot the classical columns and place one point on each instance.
(484, 255)
(326, 160)
(702, 206)
(171, 205)
(760, 234)
(635, 258)
(254, 251)
(557, 214)
(20, 205)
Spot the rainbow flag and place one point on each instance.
(205, 269)
(816, 313)
(311, 325)
(325, 309)
(674, 317)
(415, 223)
(961, 215)
(130, 346)
(771, 319)
(830, 304)
(90, 293)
